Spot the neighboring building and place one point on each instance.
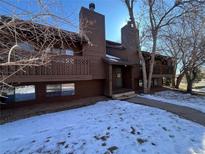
(103, 68)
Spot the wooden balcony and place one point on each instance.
(162, 71)
(61, 68)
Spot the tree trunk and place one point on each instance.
(151, 71)
(152, 60)
(145, 89)
(191, 77)
(189, 86)
(179, 79)
(174, 77)
(189, 82)
(173, 80)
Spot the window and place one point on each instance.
(26, 46)
(8, 94)
(19, 93)
(58, 51)
(66, 89)
(24, 93)
(69, 52)
(53, 90)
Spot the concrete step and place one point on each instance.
(124, 95)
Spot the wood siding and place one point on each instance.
(82, 90)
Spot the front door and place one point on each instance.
(117, 77)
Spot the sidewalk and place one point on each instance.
(182, 111)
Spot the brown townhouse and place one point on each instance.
(100, 67)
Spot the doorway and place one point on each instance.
(117, 77)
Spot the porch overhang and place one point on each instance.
(118, 62)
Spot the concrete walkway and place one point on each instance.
(182, 111)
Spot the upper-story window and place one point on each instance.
(23, 50)
(68, 52)
(25, 46)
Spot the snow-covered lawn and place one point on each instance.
(200, 90)
(174, 97)
(106, 127)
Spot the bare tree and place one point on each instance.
(194, 57)
(160, 14)
(186, 38)
(169, 41)
(171, 45)
(29, 42)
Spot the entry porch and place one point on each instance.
(120, 80)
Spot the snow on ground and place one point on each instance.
(199, 90)
(174, 97)
(104, 128)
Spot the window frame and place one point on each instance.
(13, 98)
(33, 97)
(61, 91)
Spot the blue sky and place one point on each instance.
(115, 12)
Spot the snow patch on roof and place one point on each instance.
(112, 58)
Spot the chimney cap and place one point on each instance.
(92, 6)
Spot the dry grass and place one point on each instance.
(183, 85)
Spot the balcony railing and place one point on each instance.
(161, 69)
(60, 68)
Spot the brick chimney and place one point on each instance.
(130, 37)
(92, 24)
(130, 40)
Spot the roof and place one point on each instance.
(114, 45)
(119, 46)
(157, 55)
(27, 29)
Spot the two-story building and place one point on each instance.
(100, 67)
